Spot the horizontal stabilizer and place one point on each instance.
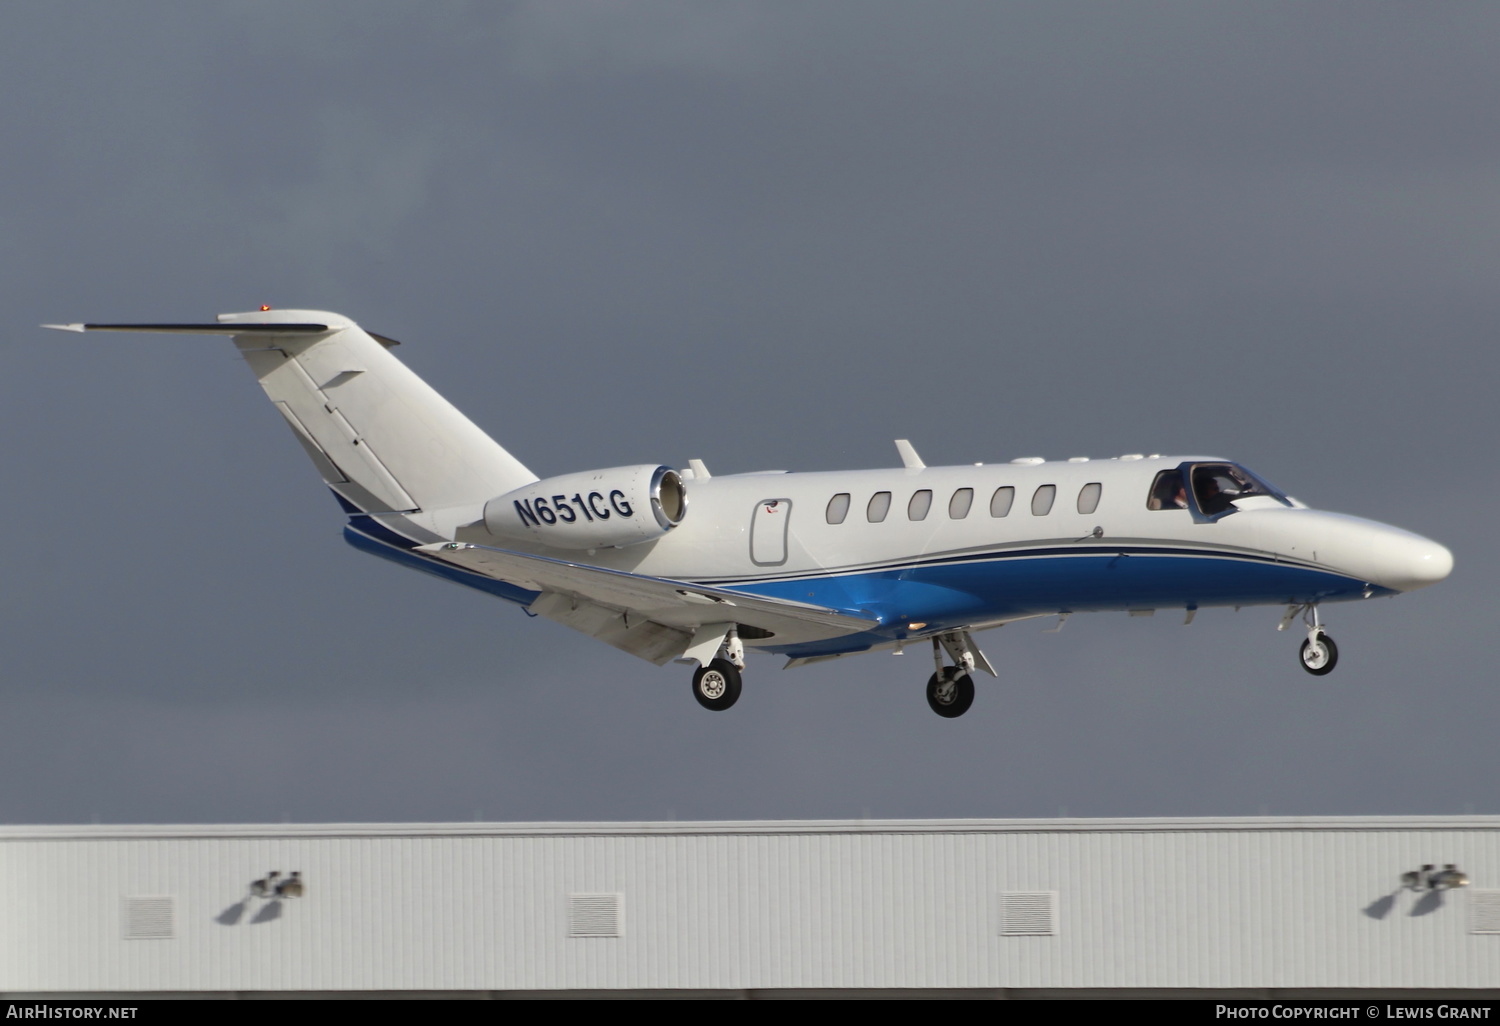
(380, 437)
(201, 329)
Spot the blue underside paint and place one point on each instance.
(949, 596)
(949, 593)
(407, 558)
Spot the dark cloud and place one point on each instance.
(1060, 229)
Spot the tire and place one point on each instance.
(717, 685)
(1321, 658)
(950, 694)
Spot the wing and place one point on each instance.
(651, 617)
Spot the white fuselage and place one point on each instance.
(946, 560)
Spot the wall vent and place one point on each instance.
(1028, 913)
(149, 918)
(1484, 911)
(596, 915)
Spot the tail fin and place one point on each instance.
(379, 435)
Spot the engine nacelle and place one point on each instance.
(594, 509)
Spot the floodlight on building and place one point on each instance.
(266, 886)
(1418, 879)
(1430, 878)
(1449, 877)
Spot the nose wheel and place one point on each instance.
(1319, 654)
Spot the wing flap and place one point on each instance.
(654, 642)
(676, 605)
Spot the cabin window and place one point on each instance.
(1088, 497)
(838, 508)
(1167, 491)
(880, 505)
(1000, 502)
(920, 503)
(958, 506)
(1041, 500)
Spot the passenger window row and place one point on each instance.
(959, 504)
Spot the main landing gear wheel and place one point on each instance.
(717, 685)
(951, 692)
(1319, 654)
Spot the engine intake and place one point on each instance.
(593, 509)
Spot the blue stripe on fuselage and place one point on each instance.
(954, 595)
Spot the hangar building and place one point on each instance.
(984, 908)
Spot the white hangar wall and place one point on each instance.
(1092, 904)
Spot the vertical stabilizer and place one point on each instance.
(380, 436)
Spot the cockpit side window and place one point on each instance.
(1167, 491)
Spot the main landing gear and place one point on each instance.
(1319, 654)
(716, 684)
(950, 691)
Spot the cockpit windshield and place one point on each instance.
(1218, 485)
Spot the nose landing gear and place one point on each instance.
(1319, 655)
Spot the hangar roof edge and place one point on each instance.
(679, 828)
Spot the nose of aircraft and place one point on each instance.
(1408, 561)
(1365, 550)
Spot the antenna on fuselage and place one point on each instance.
(909, 458)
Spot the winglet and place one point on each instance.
(909, 457)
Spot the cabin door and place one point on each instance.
(768, 532)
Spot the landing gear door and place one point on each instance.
(768, 530)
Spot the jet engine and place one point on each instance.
(594, 509)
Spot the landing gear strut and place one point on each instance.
(950, 691)
(1319, 654)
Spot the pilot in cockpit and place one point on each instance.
(1212, 499)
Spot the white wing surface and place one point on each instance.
(652, 617)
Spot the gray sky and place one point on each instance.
(767, 235)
